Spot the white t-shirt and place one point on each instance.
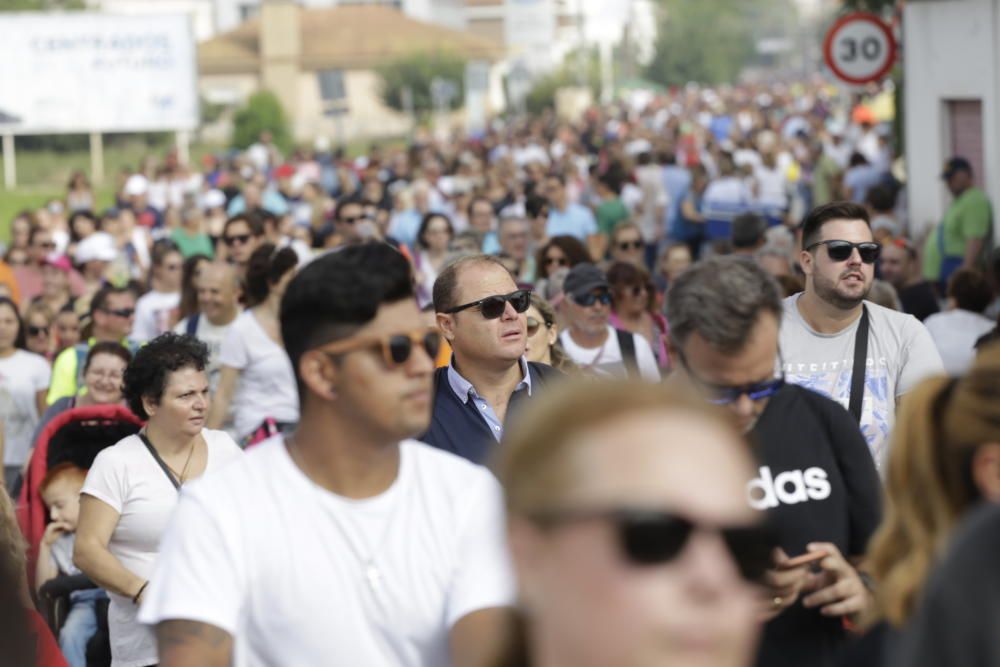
(955, 333)
(266, 387)
(900, 355)
(281, 564)
(607, 359)
(213, 336)
(152, 315)
(128, 479)
(22, 375)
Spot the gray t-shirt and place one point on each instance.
(901, 353)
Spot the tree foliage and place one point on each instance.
(710, 41)
(577, 69)
(416, 71)
(262, 112)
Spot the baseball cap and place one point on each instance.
(954, 165)
(213, 199)
(98, 247)
(583, 279)
(136, 185)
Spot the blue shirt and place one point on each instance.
(466, 392)
(575, 221)
(676, 181)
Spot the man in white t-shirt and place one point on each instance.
(218, 307)
(593, 344)
(820, 327)
(348, 543)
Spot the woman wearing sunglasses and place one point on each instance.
(627, 245)
(633, 308)
(561, 252)
(543, 336)
(631, 536)
(38, 330)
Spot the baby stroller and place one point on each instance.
(74, 436)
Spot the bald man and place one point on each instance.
(218, 286)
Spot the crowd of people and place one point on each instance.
(666, 384)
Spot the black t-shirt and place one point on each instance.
(919, 300)
(818, 483)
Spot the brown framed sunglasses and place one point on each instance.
(396, 348)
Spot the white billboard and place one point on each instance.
(86, 72)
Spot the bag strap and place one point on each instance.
(626, 342)
(192, 325)
(860, 365)
(162, 464)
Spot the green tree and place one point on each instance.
(263, 112)
(710, 41)
(416, 71)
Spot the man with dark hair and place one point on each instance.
(963, 236)
(835, 342)
(816, 478)
(349, 221)
(242, 234)
(348, 542)
(956, 331)
(569, 219)
(748, 234)
(112, 313)
(900, 267)
(481, 313)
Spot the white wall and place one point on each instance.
(952, 51)
(200, 11)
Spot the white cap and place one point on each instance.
(213, 199)
(99, 246)
(136, 185)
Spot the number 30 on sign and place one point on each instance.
(859, 48)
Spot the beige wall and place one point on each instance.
(367, 116)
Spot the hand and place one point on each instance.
(53, 531)
(837, 590)
(783, 586)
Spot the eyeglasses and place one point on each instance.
(493, 307)
(37, 331)
(559, 261)
(240, 239)
(589, 299)
(534, 325)
(119, 312)
(396, 348)
(728, 394)
(630, 245)
(649, 537)
(840, 251)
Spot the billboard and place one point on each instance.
(86, 72)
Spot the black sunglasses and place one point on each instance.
(649, 537)
(120, 312)
(589, 299)
(727, 394)
(561, 261)
(36, 331)
(236, 238)
(353, 219)
(492, 307)
(630, 245)
(396, 348)
(840, 251)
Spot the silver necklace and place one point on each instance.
(372, 575)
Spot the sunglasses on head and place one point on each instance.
(534, 325)
(241, 239)
(493, 307)
(630, 245)
(396, 348)
(37, 331)
(120, 312)
(649, 537)
(590, 298)
(840, 251)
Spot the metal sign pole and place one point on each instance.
(9, 164)
(97, 158)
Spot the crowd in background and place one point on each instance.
(622, 240)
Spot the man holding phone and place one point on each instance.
(816, 479)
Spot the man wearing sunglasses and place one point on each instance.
(347, 542)
(816, 479)
(112, 315)
(593, 344)
(830, 329)
(242, 234)
(481, 313)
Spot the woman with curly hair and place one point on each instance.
(132, 486)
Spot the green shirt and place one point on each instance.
(823, 176)
(609, 214)
(199, 244)
(969, 217)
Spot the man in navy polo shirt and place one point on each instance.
(480, 311)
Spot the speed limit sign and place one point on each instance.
(859, 48)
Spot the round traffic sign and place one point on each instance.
(859, 48)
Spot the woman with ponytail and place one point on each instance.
(256, 378)
(945, 459)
